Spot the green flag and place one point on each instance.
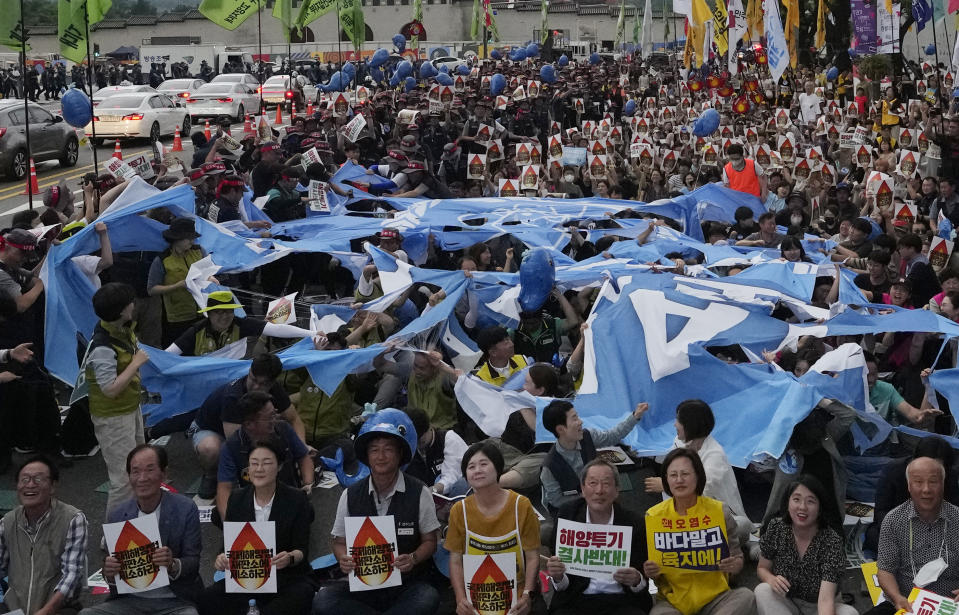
(418, 18)
(11, 28)
(96, 9)
(71, 32)
(636, 28)
(353, 22)
(621, 24)
(311, 10)
(544, 21)
(283, 10)
(475, 23)
(229, 14)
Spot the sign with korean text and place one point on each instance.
(693, 542)
(141, 166)
(353, 128)
(371, 542)
(120, 169)
(133, 543)
(250, 547)
(595, 551)
(924, 602)
(490, 582)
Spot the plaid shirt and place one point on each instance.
(73, 560)
(906, 543)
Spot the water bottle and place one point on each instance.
(253, 610)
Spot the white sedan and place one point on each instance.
(244, 78)
(113, 90)
(135, 115)
(223, 99)
(180, 88)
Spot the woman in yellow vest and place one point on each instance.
(490, 521)
(691, 552)
(167, 278)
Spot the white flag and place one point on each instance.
(647, 37)
(777, 52)
(955, 56)
(683, 7)
(736, 30)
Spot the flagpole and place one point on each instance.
(935, 41)
(93, 123)
(259, 51)
(339, 36)
(26, 110)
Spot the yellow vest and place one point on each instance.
(688, 549)
(179, 305)
(490, 375)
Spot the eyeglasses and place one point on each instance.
(36, 479)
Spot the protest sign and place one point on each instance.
(133, 543)
(120, 169)
(696, 541)
(597, 166)
(924, 602)
(507, 188)
(490, 582)
(595, 551)
(353, 128)
(529, 177)
(310, 156)
(372, 545)
(522, 154)
(317, 194)
(142, 166)
(847, 140)
(476, 167)
(281, 311)
(484, 133)
(250, 547)
(940, 250)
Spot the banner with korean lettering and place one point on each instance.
(372, 545)
(590, 550)
(229, 14)
(925, 602)
(11, 28)
(71, 33)
(250, 548)
(133, 544)
(694, 541)
(864, 25)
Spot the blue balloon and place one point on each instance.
(445, 69)
(463, 69)
(377, 74)
(945, 229)
(594, 58)
(404, 68)
(400, 42)
(75, 108)
(349, 69)
(853, 53)
(410, 84)
(548, 73)
(955, 93)
(518, 55)
(496, 84)
(335, 83)
(930, 49)
(394, 80)
(532, 50)
(444, 79)
(495, 54)
(630, 107)
(832, 73)
(537, 276)
(380, 56)
(707, 123)
(427, 70)
(563, 60)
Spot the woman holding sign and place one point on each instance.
(691, 551)
(802, 557)
(493, 521)
(266, 499)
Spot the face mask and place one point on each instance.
(930, 572)
(569, 178)
(795, 219)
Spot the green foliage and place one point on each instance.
(875, 67)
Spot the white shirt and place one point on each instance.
(809, 107)
(262, 513)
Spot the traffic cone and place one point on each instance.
(32, 184)
(247, 125)
(116, 150)
(309, 109)
(177, 142)
(279, 115)
(206, 131)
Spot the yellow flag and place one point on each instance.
(694, 43)
(754, 17)
(701, 13)
(821, 25)
(792, 30)
(720, 26)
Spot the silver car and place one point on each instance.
(233, 100)
(179, 88)
(244, 78)
(138, 115)
(50, 138)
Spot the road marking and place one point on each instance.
(45, 182)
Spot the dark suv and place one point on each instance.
(50, 138)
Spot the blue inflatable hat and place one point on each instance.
(537, 276)
(75, 108)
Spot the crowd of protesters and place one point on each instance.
(857, 174)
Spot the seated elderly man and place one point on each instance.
(43, 545)
(626, 591)
(918, 540)
(179, 522)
